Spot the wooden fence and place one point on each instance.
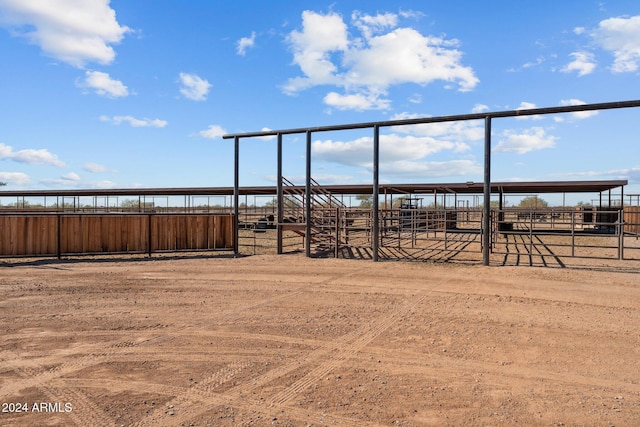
(632, 219)
(76, 234)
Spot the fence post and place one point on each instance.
(149, 238)
(486, 220)
(620, 228)
(59, 243)
(337, 232)
(375, 243)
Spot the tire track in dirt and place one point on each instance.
(42, 379)
(416, 362)
(83, 412)
(194, 394)
(94, 354)
(33, 375)
(368, 334)
(338, 351)
(184, 402)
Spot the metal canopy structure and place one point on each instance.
(375, 126)
(524, 187)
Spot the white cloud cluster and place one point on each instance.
(579, 114)
(245, 43)
(365, 67)
(72, 31)
(583, 62)
(213, 132)
(194, 87)
(524, 105)
(70, 179)
(459, 132)
(17, 178)
(134, 122)
(95, 167)
(522, 142)
(30, 156)
(103, 84)
(621, 37)
(405, 152)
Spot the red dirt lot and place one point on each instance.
(289, 341)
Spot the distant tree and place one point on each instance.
(400, 201)
(366, 200)
(135, 204)
(533, 202)
(2, 184)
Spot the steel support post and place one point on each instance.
(279, 199)
(486, 219)
(375, 241)
(236, 193)
(307, 199)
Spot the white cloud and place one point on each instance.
(459, 132)
(323, 178)
(39, 157)
(320, 35)
(103, 84)
(531, 139)
(266, 138)
(244, 43)
(194, 87)
(71, 176)
(400, 155)
(539, 60)
(358, 101)
(213, 132)
(413, 169)
(583, 62)
(621, 37)
(416, 98)
(369, 25)
(365, 67)
(479, 108)
(632, 174)
(95, 168)
(524, 105)
(104, 184)
(17, 178)
(72, 31)
(134, 122)
(579, 114)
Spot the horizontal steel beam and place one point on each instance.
(439, 119)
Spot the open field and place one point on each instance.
(290, 341)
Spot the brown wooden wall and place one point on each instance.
(632, 219)
(69, 234)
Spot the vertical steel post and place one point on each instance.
(486, 220)
(236, 192)
(307, 199)
(279, 199)
(376, 193)
(621, 225)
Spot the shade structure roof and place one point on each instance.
(529, 187)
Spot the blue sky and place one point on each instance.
(137, 93)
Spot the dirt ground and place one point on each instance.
(290, 341)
